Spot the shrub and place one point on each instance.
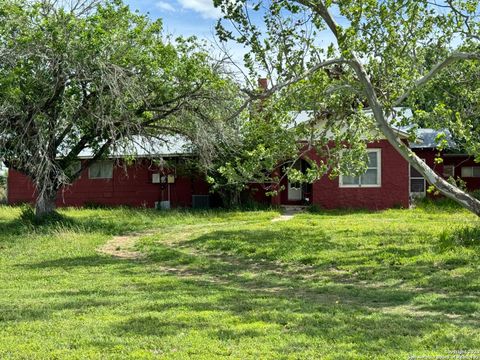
(428, 203)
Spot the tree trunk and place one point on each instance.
(45, 204)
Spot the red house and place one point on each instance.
(389, 181)
(157, 178)
(384, 185)
(455, 163)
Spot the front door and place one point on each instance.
(294, 191)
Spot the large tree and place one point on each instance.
(93, 74)
(344, 56)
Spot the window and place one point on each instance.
(471, 171)
(101, 170)
(448, 171)
(371, 178)
(418, 185)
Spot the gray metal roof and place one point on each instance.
(427, 138)
(141, 147)
(306, 116)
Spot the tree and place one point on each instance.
(453, 104)
(93, 74)
(268, 147)
(376, 55)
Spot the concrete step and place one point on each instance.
(292, 209)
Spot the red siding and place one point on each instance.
(456, 160)
(132, 187)
(394, 190)
(460, 161)
(429, 156)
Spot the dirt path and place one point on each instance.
(122, 247)
(288, 214)
(283, 217)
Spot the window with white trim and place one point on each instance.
(471, 171)
(101, 170)
(371, 178)
(448, 171)
(418, 185)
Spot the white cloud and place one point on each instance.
(164, 5)
(204, 7)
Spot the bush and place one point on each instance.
(464, 236)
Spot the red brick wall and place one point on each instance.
(132, 187)
(458, 161)
(135, 187)
(394, 190)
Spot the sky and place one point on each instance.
(198, 17)
(181, 17)
(190, 18)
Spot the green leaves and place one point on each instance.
(95, 76)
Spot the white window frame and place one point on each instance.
(471, 168)
(452, 170)
(97, 163)
(379, 173)
(421, 194)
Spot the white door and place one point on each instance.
(294, 191)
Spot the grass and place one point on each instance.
(333, 285)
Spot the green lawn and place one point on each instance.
(334, 285)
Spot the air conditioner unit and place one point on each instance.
(155, 178)
(163, 205)
(200, 201)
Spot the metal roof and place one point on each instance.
(168, 146)
(305, 116)
(427, 138)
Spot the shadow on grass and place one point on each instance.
(27, 223)
(33, 312)
(234, 285)
(73, 262)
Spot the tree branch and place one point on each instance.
(434, 71)
(311, 71)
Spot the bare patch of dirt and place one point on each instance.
(123, 247)
(282, 218)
